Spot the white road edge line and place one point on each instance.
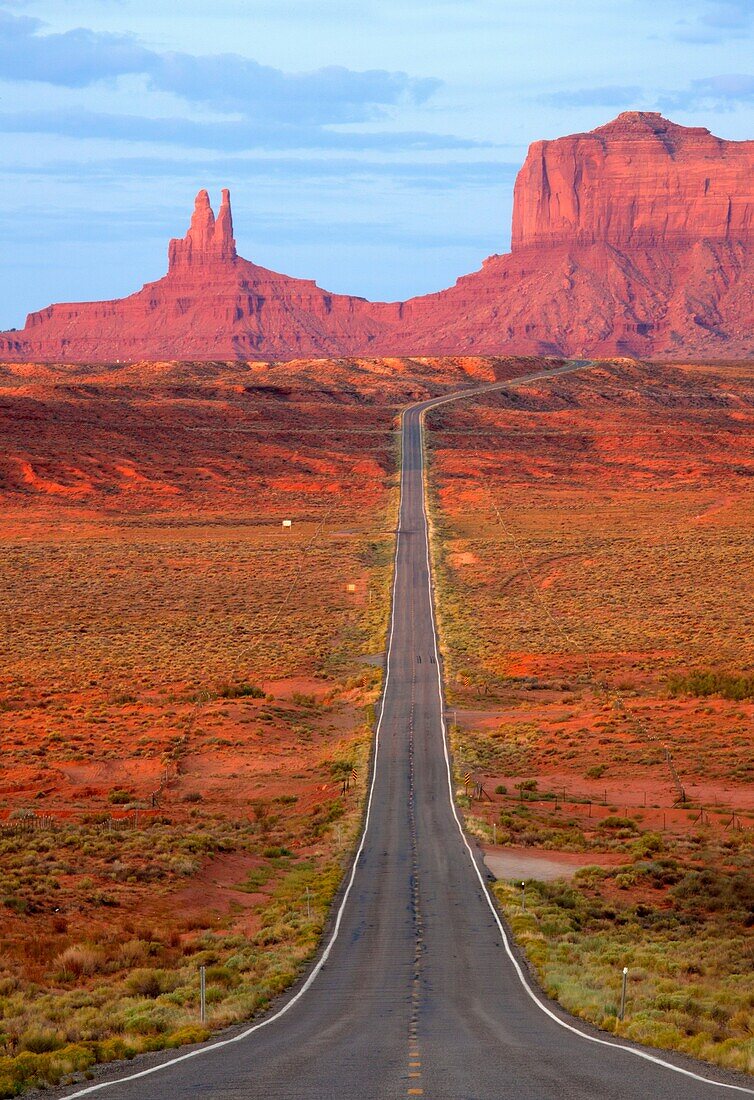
(209, 1047)
(506, 942)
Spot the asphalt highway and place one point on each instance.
(417, 991)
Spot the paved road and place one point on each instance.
(417, 994)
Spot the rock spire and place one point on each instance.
(208, 241)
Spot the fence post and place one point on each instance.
(622, 1012)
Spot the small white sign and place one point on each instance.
(287, 523)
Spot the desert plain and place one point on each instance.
(189, 686)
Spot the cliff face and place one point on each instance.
(635, 239)
(639, 181)
(595, 300)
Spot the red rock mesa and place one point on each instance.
(636, 238)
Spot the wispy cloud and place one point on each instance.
(269, 228)
(229, 82)
(608, 95)
(724, 92)
(420, 174)
(74, 59)
(329, 95)
(245, 134)
(712, 93)
(717, 21)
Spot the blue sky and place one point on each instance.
(370, 144)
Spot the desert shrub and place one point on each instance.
(151, 983)
(15, 904)
(596, 772)
(240, 691)
(40, 1041)
(29, 1069)
(222, 975)
(77, 961)
(325, 815)
(148, 1021)
(191, 1033)
(709, 682)
(255, 880)
(712, 891)
(130, 953)
(341, 769)
(660, 872)
(302, 700)
(119, 797)
(647, 844)
(613, 821)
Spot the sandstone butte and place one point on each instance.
(634, 239)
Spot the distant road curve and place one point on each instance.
(417, 990)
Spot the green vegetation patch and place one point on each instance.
(708, 682)
(685, 936)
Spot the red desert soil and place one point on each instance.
(598, 545)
